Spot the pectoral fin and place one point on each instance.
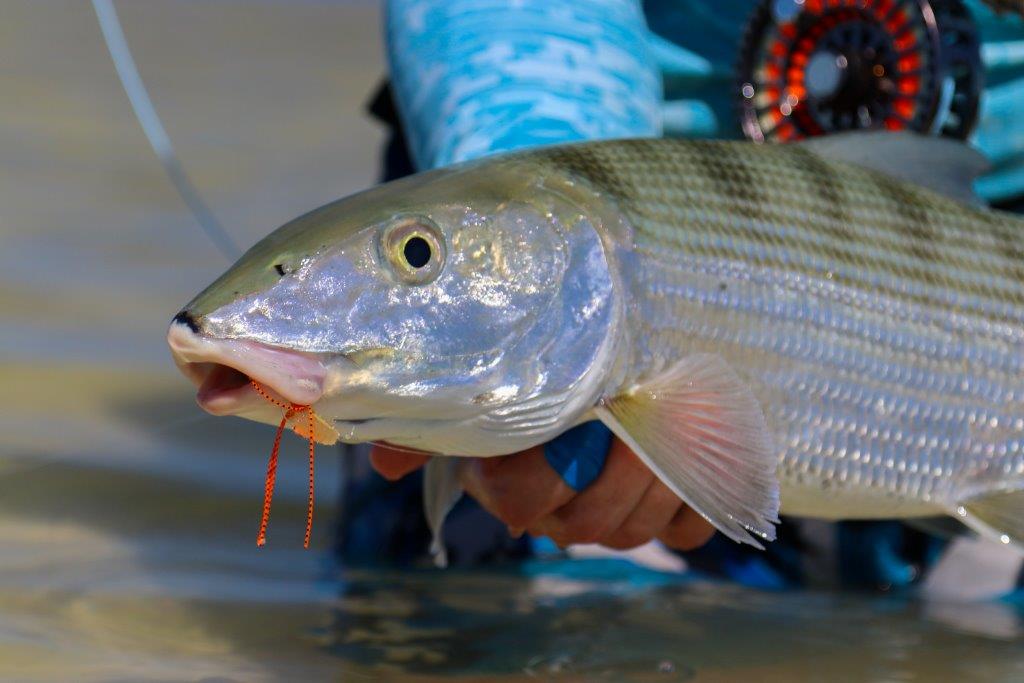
(441, 491)
(701, 431)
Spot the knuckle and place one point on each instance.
(631, 535)
(513, 498)
(509, 511)
(517, 516)
(622, 540)
(586, 528)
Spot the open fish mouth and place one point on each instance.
(260, 382)
(223, 370)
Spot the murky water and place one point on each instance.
(127, 517)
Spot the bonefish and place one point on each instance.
(830, 325)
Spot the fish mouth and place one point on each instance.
(223, 371)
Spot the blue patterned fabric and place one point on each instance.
(473, 77)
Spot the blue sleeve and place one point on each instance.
(475, 77)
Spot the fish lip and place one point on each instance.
(286, 375)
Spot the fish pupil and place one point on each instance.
(416, 251)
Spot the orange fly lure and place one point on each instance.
(290, 411)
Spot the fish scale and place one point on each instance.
(766, 256)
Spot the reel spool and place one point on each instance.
(812, 67)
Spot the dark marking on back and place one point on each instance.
(731, 177)
(822, 180)
(588, 162)
(922, 238)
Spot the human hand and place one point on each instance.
(624, 507)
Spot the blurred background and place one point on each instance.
(125, 510)
(128, 516)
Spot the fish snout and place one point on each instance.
(185, 318)
(223, 369)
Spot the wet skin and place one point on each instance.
(625, 507)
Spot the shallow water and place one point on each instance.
(127, 517)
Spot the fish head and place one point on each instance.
(463, 312)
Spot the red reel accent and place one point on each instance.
(885, 55)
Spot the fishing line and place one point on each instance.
(268, 488)
(145, 113)
(268, 482)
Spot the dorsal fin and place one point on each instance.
(942, 165)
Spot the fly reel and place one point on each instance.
(812, 67)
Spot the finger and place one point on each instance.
(649, 518)
(604, 505)
(687, 530)
(518, 489)
(393, 464)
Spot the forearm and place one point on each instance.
(474, 77)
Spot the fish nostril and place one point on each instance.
(185, 318)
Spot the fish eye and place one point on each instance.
(415, 249)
